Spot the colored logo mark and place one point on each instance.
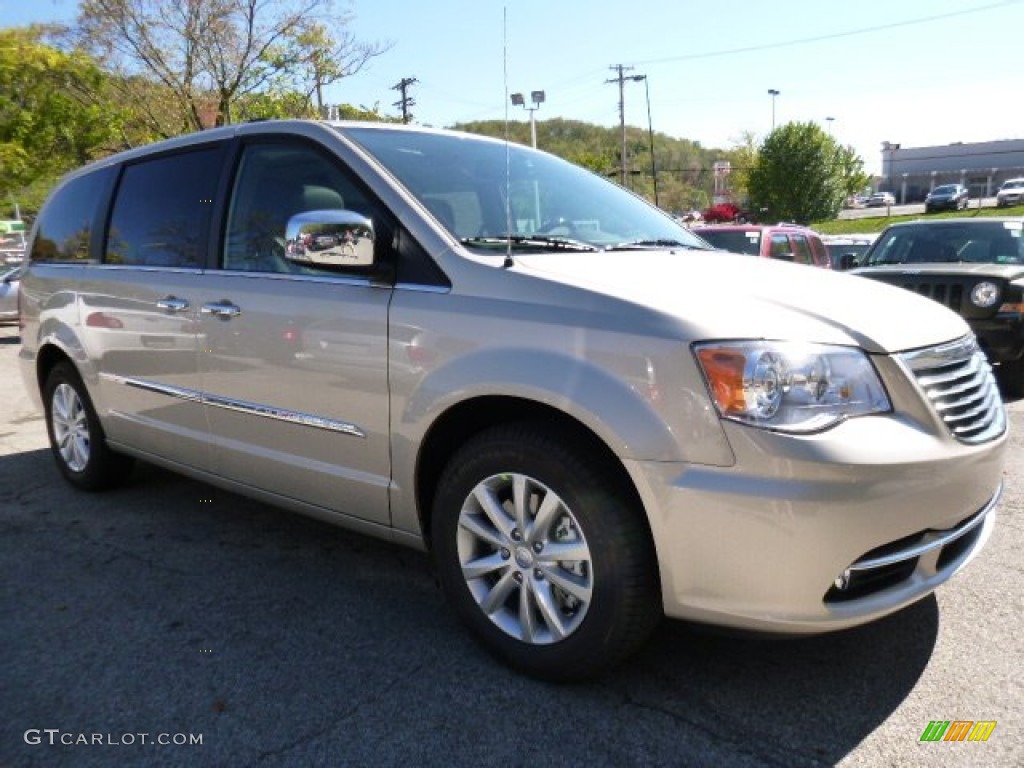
(958, 730)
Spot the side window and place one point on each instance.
(781, 248)
(162, 210)
(66, 221)
(274, 182)
(801, 250)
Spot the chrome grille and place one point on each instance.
(959, 384)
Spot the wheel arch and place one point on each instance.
(470, 417)
(49, 355)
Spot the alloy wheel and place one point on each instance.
(70, 427)
(525, 559)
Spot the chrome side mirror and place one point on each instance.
(330, 238)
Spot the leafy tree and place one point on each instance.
(210, 54)
(742, 157)
(802, 175)
(53, 114)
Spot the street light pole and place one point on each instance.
(773, 92)
(650, 132)
(537, 98)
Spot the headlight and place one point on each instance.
(790, 387)
(985, 294)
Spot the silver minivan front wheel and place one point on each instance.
(525, 559)
(543, 550)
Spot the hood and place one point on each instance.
(719, 295)
(1004, 271)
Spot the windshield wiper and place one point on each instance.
(653, 243)
(531, 241)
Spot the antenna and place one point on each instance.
(509, 263)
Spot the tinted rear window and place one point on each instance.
(737, 242)
(66, 221)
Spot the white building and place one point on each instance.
(911, 172)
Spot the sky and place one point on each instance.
(913, 72)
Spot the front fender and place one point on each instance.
(623, 411)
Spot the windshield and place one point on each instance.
(979, 242)
(1013, 184)
(490, 198)
(947, 190)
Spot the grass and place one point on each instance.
(872, 224)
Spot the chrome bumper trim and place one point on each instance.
(944, 538)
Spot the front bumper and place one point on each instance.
(764, 544)
(1002, 336)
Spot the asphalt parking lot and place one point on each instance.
(168, 610)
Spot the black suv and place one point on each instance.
(973, 266)
(948, 197)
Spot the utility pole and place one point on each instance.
(621, 80)
(406, 101)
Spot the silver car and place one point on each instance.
(10, 281)
(476, 348)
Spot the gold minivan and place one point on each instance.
(476, 348)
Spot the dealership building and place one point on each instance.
(911, 172)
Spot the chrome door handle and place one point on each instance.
(172, 304)
(222, 309)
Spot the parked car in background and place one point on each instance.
(973, 266)
(10, 280)
(590, 418)
(12, 248)
(846, 251)
(1010, 193)
(880, 200)
(786, 242)
(948, 197)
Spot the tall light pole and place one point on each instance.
(650, 131)
(773, 92)
(537, 98)
(829, 120)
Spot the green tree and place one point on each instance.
(802, 175)
(743, 158)
(54, 115)
(208, 55)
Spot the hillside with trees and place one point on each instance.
(683, 166)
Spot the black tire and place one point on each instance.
(76, 437)
(613, 603)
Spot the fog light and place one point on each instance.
(843, 580)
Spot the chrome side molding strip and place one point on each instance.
(239, 406)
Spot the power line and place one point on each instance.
(832, 36)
